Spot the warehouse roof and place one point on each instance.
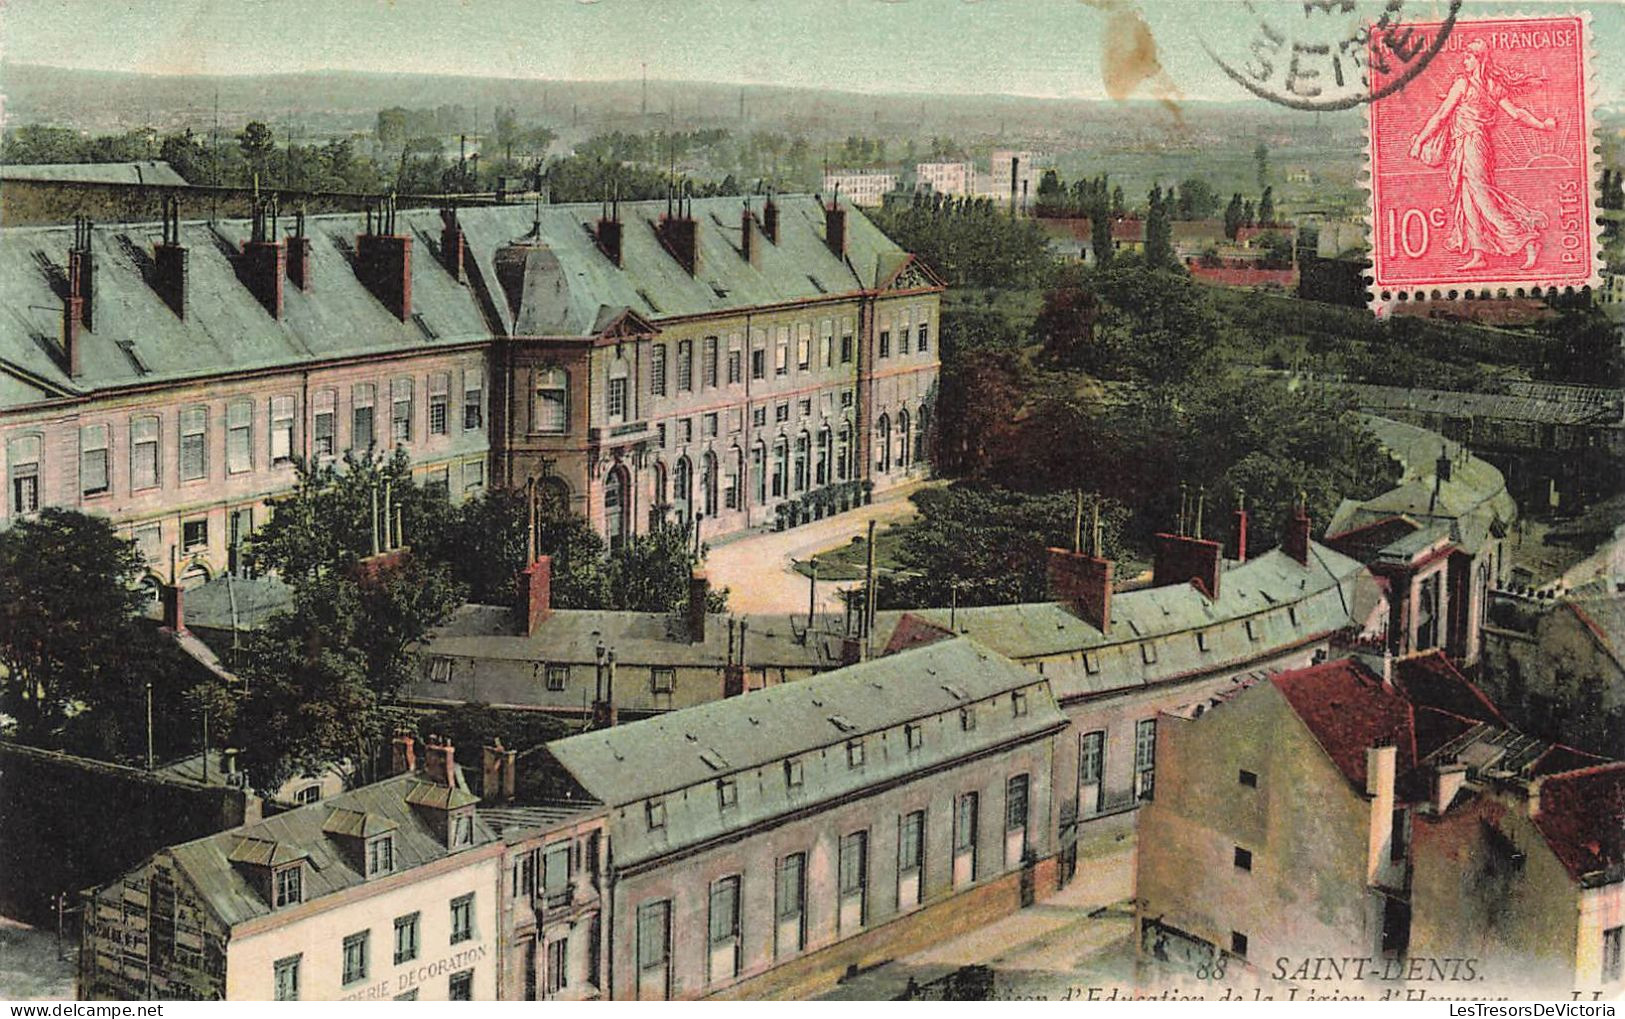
(664, 777)
(144, 171)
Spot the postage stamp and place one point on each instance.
(1481, 170)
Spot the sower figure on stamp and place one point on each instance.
(1483, 218)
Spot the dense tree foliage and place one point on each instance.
(970, 241)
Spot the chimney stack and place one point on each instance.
(835, 226)
(680, 235)
(172, 597)
(496, 773)
(79, 307)
(403, 754)
(384, 261)
(169, 261)
(299, 254)
(1295, 540)
(608, 234)
(770, 220)
(264, 261)
(1181, 559)
(699, 586)
(451, 244)
(440, 761)
(747, 235)
(1083, 582)
(536, 593)
(1442, 466)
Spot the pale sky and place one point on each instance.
(1023, 47)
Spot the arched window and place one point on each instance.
(826, 449)
(554, 498)
(803, 448)
(905, 447)
(708, 483)
(196, 576)
(883, 444)
(682, 489)
(730, 488)
(843, 453)
(662, 483)
(921, 424)
(758, 471)
(781, 457)
(617, 508)
(551, 415)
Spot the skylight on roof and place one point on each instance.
(713, 760)
(842, 723)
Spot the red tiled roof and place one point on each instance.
(1582, 817)
(1128, 230)
(1349, 710)
(1430, 680)
(912, 631)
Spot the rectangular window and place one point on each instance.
(913, 735)
(1396, 840)
(473, 399)
(93, 460)
(323, 434)
(552, 411)
(1018, 703)
(758, 364)
(792, 773)
(654, 949)
(355, 957)
(1613, 964)
(790, 932)
(290, 886)
(195, 534)
(781, 352)
(655, 813)
(439, 403)
(686, 427)
(1238, 944)
(461, 986)
(1427, 613)
(361, 437)
(854, 880)
(380, 856)
(923, 337)
(758, 417)
(1145, 757)
(657, 370)
(711, 425)
(826, 343)
(523, 876)
(473, 476)
(617, 399)
(724, 957)
(804, 346)
(144, 452)
(556, 874)
(557, 677)
(558, 965)
(239, 437)
(462, 917)
(846, 342)
(708, 361)
(966, 820)
(735, 359)
(727, 793)
(149, 541)
(462, 834)
(281, 429)
(685, 365)
(194, 443)
(287, 979)
(662, 680)
(1243, 858)
(885, 343)
(400, 410)
(1015, 804)
(854, 754)
(438, 482)
(910, 858)
(967, 718)
(406, 938)
(1247, 778)
(781, 413)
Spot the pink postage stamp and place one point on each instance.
(1481, 164)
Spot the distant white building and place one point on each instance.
(1012, 173)
(861, 187)
(946, 178)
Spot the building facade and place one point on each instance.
(861, 187)
(958, 179)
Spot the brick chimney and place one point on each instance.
(1238, 536)
(770, 221)
(536, 593)
(261, 267)
(607, 234)
(403, 754)
(440, 761)
(299, 254)
(169, 261)
(496, 773)
(699, 586)
(1181, 559)
(383, 261)
(680, 235)
(452, 244)
(1295, 539)
(747, 235)
(81, 272)
(835, 226)
(73, 313)
(1083, 583)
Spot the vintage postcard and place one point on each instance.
(836, 500)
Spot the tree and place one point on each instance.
(1065, 323)
(650, 572)
(1118, 208)
(1261, 161)
(1277, 250)
(1266, 208)
(186, 156)
(68, 607)
(1159, 239)
(1197, 199)
(1249, 216)
(258, 146)
(1163, 327)
(1232, 216)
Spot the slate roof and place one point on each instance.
(145, 171)
(493, 632)
(305, 833)
(681, 757)
(1604, 619)
(1547, 405)
(1328, 594)
(1582, 817)
(570, 288)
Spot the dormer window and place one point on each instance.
(727, 793)
(381, 855)
(967, 718)
(792, 773)
(914, 735)
(1018, 703)
(290, 885)
(854, 754)
(462, 830)
(655, 811)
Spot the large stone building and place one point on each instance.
(1355, 811)
(704, 361)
